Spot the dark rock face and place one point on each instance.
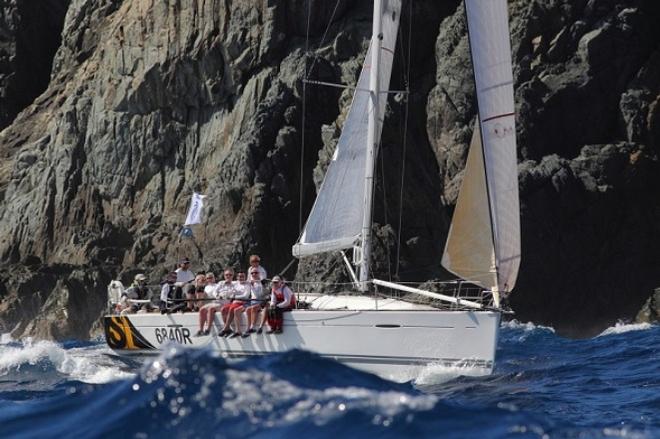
(586, 77)
(29, 38)
(590, 213)
(150, 101)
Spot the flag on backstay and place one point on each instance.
(195, 211)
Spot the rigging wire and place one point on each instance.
(302, 135)
(308, 72)
(405, 141)
(325, 33)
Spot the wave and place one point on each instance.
(621, 328)
(189, 393)
(20, 361)
(527, 327)
(5, 339)
(542, 386)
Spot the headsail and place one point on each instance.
(488, 29)
(335, 221)
(469, 251)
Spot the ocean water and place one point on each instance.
(543, 386)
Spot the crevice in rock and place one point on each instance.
(31, 35)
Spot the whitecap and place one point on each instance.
(621, 327)
(527, 327)
(437, 374)
(81, 364)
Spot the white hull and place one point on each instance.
(396, 345)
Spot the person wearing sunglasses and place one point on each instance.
(255, 266)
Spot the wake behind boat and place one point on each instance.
(392, 337)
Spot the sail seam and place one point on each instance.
(499, 116)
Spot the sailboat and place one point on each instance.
(393, 338)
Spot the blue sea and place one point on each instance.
(543, 386)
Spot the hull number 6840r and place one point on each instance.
(178, 335)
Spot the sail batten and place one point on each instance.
(488, 30)
(335, 221)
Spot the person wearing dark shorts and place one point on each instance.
(258, 301)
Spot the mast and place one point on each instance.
(374, 91)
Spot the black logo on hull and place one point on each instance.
(121, 334)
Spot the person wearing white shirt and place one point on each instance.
(184, 279)
(251, 288)
(239, 299)
(255, 261)
(223, 291)
(183, 273)
(258, 302)
(211, 285)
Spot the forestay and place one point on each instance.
(335, 221)
(488, 29)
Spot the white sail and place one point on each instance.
(488, 30)
(335, 221)
(469, 251)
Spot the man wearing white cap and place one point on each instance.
(133, 296)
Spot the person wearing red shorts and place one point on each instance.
(237, 301)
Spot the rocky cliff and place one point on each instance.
(147, 101)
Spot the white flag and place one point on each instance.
(195, 211)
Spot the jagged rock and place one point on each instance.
(582, 78)
(149, 101)
(650, 312)
(57, 301)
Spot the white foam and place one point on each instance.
(80, 364)
(527, 327)
(5, 339)
(437, 374)
(621, 327)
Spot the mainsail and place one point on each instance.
(484, 240)
(335, 221)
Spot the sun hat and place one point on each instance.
(139, 277)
